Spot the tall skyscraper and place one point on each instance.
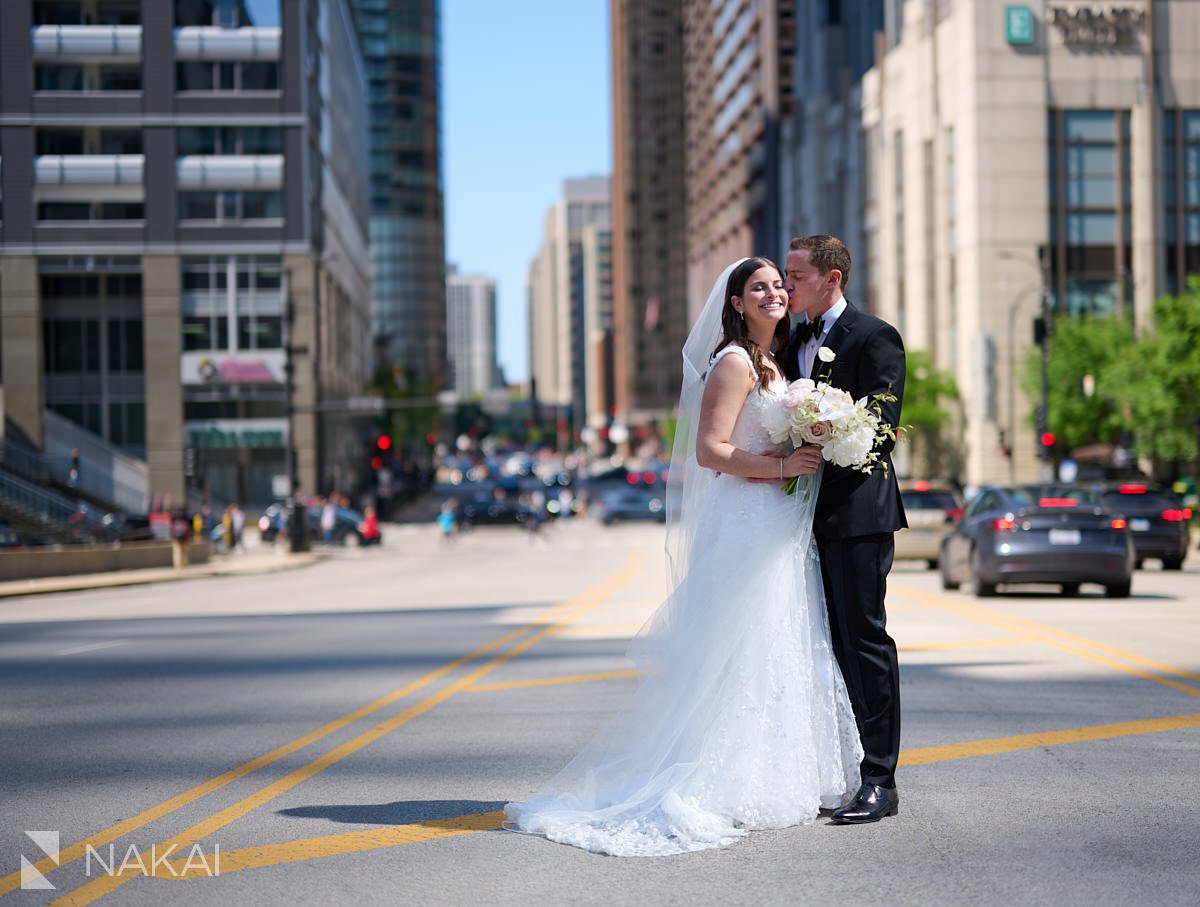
(182, 183)
(737, 61)
(650, 318)
(471, 333)
(401, 45)
(570, 303)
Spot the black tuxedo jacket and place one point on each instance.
(868, 359)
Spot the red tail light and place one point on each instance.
(954, 514)
(1118, 523)
(1132, 489)
(1177, 516)
(649, 477)
(1057, 502)
(920, 485)
(1004, 524)
(631, 478)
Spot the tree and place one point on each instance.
(926, 410)
(1157, 385)
(1080, 409)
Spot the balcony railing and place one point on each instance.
(88, 169)
(208, 43)
(229, 171)
(75, 43)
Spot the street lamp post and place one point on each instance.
(1043, 336)
(297, 525)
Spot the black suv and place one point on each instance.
(1158, 522)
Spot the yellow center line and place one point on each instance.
(106, 884)
(929, 754)
(77, 850)
(304, 849)
(965, 644)
(550, 681)
(1066, 642)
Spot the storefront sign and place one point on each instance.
(234, 434)
(1018, 25)
(1097, 24)
(266, 367)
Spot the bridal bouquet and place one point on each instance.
(848, 432)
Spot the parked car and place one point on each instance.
(631, 504)
(932, 508)
(494, 512)
(347, 525)
(126, 527)
(1017, 535)
(1158, 521)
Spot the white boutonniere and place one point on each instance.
(825, 354)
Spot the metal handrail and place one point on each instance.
(48, 504)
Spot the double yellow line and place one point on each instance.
(549, 623)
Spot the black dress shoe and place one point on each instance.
(870, 804)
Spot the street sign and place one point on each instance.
(281, 486)
(1018, 25)
(365, 404)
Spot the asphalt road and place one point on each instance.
(345, 733)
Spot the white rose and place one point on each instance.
(777, 423)
(825, 354)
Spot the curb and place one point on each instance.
(85, 581)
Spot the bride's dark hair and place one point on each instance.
(733, 325)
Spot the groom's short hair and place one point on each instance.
(826, 253)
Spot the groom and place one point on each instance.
(856, 514)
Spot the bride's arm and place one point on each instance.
(725, 392)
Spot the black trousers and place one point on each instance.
(855, 572)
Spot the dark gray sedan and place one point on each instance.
(1030, 534)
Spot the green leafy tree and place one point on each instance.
(1158, 386)
(927, 412)
(1084, 353)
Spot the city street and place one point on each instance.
(346, 732)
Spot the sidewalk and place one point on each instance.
(259, 560)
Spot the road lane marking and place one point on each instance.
(334, 845)
(965, 644)
(75, 851)
(305, 849)
(580, 605)
(550, 681)
(1067, 642)
(603, 630)
(92, 647)
(927, 755)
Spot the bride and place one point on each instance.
(740, 720)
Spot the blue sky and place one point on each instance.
(526, 104)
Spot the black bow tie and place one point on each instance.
(807, 330)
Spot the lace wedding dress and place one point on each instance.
(741, 720)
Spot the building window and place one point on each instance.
(220, 292)
(88, 140)
(1181, 194)
(66, 210)
(227, 13)
(87, 12)
(1090, 221)
(79, 77)
(229, 140)
(246, 75)
(231, 205)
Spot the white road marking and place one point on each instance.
(92, 647)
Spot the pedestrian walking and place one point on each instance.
(447, 523)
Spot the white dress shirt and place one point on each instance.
(808, 351)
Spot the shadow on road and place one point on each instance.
(401, 812)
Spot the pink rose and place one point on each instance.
(817, 433)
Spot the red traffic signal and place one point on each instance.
(1048, 439)
(383, 442)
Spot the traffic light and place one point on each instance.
(383, 442)
(1047, 438)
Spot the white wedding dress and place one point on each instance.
(741, 720)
